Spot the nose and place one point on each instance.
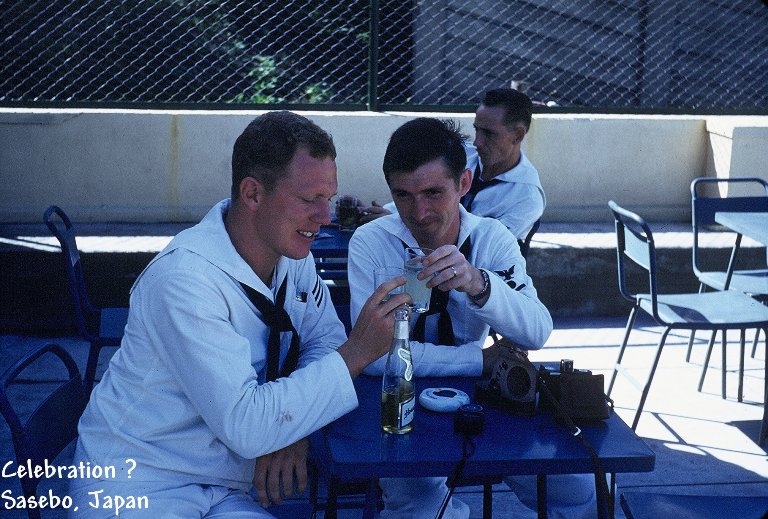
(323, 214)
(420, 209)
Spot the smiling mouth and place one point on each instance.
(307, 234)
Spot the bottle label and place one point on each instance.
(406, 412)
(405, 356)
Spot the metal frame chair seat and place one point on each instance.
(101, 327)
(716, 311)
(52, 425)
(751, 282)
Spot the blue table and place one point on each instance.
(355, 448)
(331, 242)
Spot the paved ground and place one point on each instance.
(704, 444)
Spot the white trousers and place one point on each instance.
(165, 500)
(418, 498)
(569, 496)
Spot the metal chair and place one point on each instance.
(652, 505)
(53, 424)
(99, 326)
(525, 244)
(704, 205)
(714, 311)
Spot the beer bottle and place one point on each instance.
(398, 400)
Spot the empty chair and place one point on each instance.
(751, 194)
(53, 424)
(713, 311)
(99, 326)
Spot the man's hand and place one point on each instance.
(279, 472)
(369, 214)
(371, 336)
(448, 269)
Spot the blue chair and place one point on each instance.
(651, 505)
(52, 425)
(99, 326)
(713, 311)
(752, 195)
(525, 243)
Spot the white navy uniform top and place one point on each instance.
(184, 396)
(517, 200)
(513, 308)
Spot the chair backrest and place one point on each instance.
(704, 206)
(634, 241)
(86, 315)
(525, 244)
(52, 425)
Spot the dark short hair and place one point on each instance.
(518, 107)
(423, 140)
(269, 143)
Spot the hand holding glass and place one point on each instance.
(383, 274)
(414, 257)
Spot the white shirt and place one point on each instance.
(512, 309)
(184, 396)
(517, 202)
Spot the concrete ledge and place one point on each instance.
(573, 267)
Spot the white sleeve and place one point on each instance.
(189, 316)
(513, 308)
(320, 329)
(523, 205)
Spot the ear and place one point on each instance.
(519, 132)
(251, 192)
(465, 182)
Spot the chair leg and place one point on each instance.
(693, 333)
(627, 330)
(740, 393)
(690, 346)
(725, 367)
(89, 379)
(764, 425)
(706, 359)
(754, 342)
(488, 501)
(647, 386)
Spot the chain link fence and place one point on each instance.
(577, 55)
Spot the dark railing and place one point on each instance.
(667, 56)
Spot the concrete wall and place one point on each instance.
(152, 166)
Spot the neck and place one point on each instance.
(493, 171)
(242, 236)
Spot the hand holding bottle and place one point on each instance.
(371, 336)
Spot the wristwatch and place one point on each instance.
(486, 288)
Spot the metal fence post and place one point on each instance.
(373, 59)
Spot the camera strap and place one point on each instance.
(605, 505)
(468, 449)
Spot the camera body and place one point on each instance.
(512, 383)
(579, 393)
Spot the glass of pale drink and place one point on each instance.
(383, 274)
(414, 257)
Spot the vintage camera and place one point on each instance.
(512, 383)
(579, 393)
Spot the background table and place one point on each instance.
(354, 446)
